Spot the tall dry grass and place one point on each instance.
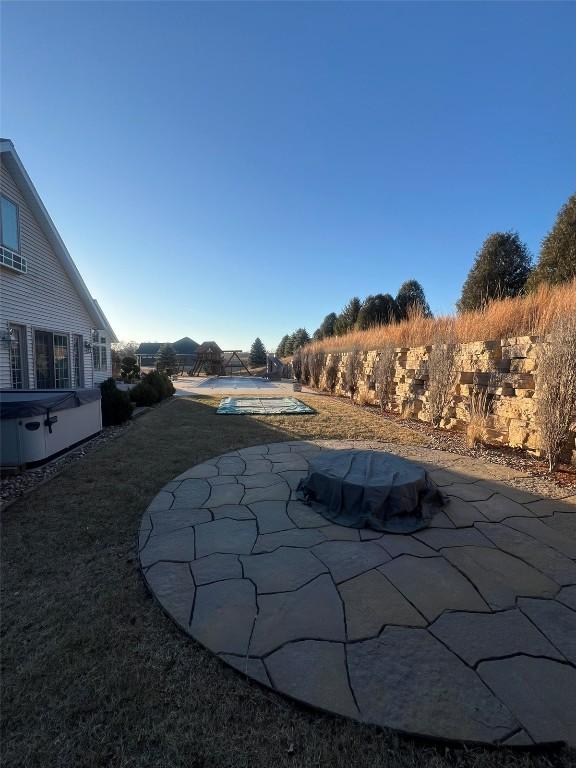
(531, 315)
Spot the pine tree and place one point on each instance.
(257, 353)
(281, 349)
(411, 296)
(346, 320)
(300, 338)
(289, 346)
(380, 309)
(557, 260)
(167, 360)
(499, 271)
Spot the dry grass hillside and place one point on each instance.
(530, 315)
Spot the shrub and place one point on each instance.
(316, 363)
(556, 392)
(479, 405)
(442, 375)
(332, 368)
(305, 366)
(144, 394)
(129, 369)
(161, 384)
(353, 371)
(383, 375)
(297, 364)
(116, 405)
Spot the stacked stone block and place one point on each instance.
(508, 368)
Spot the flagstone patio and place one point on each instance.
(463, 631)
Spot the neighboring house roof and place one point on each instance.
(148, 347)
(12, 162)
(184, 346)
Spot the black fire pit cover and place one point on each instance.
(371, 489)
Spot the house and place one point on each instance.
(185, 348)
(53, 334)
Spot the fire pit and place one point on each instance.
(371, 489)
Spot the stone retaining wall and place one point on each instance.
(508, 368)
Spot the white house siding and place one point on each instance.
(43, 299)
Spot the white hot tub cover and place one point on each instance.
(371, 489)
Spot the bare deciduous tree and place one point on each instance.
(383, 374)
(442, 376)
(353, 371)
(556, 388)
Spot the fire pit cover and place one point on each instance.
(371, 489)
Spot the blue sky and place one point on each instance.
(230, 170)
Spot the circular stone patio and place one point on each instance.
(463, 631)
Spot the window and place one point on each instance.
(99, 353)
(51, 360)
(18, 356)
(9, 233)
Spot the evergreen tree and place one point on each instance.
(167, 360)
(346, 320)
(317, 335)
(557, 260)
(327, 326)
(281, 349)
(257, 353)
(499, 271)
(300, 337)
(411, 295)
(289, 346)
(380, 309)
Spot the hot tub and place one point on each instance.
(36, 424)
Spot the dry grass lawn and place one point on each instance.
(94, 674)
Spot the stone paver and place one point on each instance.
(499, 577)
(465, 630)
(541, 693)
(234, 536)
(479, 636)
(314, 611)
(283, 570)
(371, 602)
(433, 585)
(554, 620)
(314, 670)
(403, 666)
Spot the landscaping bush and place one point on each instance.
(383, 375)
(316, 363)
(442, 376)
(353, 371)
(297, 364)
(144, 395)
(116, 405)
(332, 369)
(129, 369)
(556, 411)
(153, 388)
(161, 383)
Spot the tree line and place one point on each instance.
(502, 268)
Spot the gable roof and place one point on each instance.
(16, 168)
(184, 346)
